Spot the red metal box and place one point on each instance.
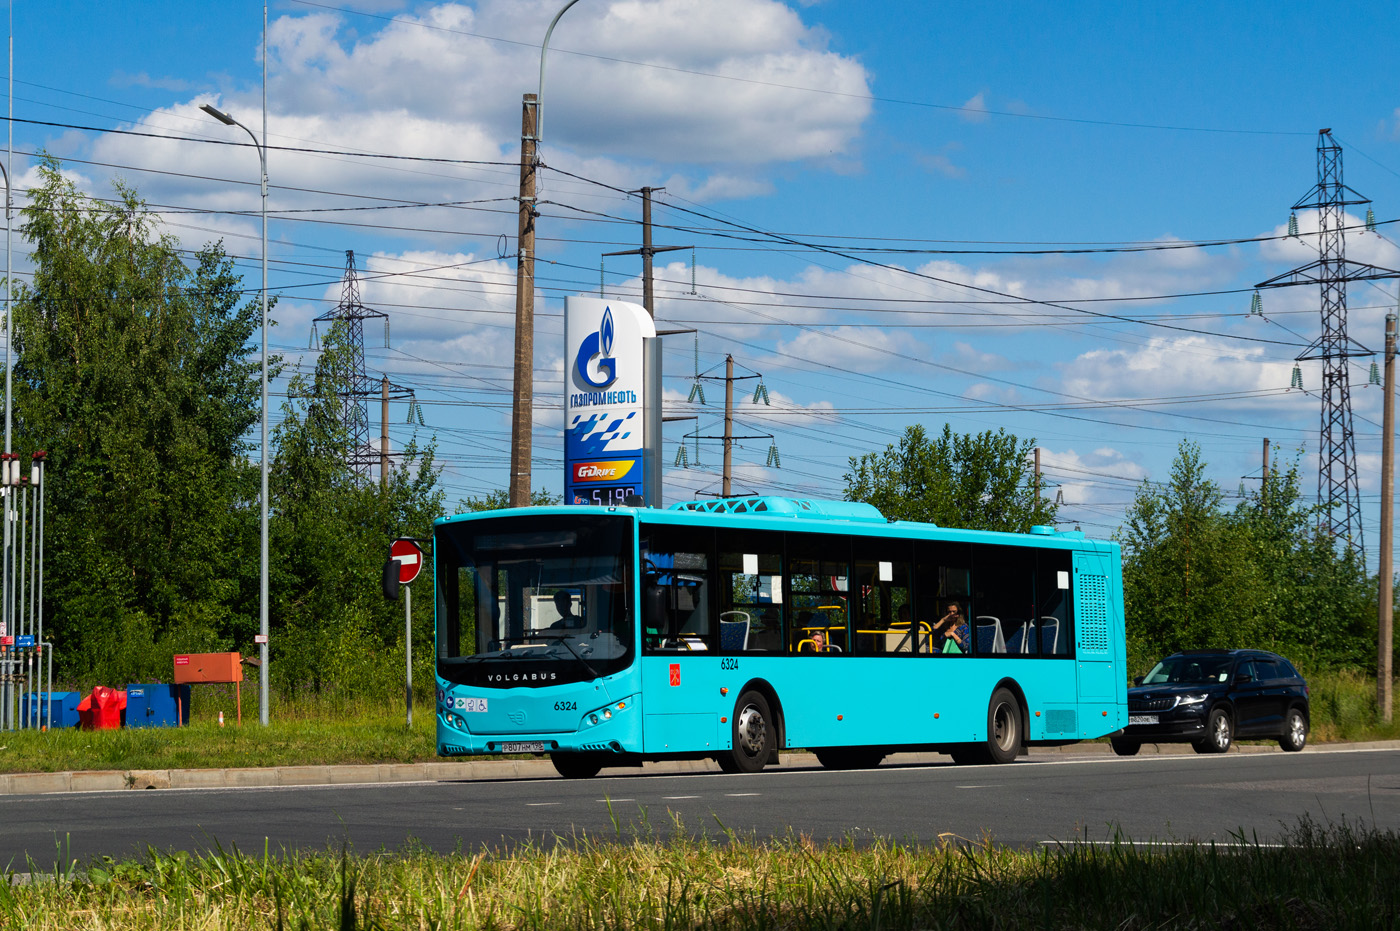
(208, 667)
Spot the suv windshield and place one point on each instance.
(528, 600)
(1187, 670)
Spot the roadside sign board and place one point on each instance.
(25, 641)
(409, 555)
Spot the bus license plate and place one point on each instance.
(1142, 719)
(535, 746)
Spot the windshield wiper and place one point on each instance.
(564, 637)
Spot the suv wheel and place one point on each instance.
(1125, 747)
(1295, 731)
(1220, 733)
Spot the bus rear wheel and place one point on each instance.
(753, 733)
(577, 765)
(849, 757)
(1003, 743)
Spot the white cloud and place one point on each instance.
(1179, 367)
(974, 109)
(1105, 474)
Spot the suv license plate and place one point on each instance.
(1133, 719)
(531, 747)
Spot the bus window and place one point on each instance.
(1052, 590)
(676, 588)
(942, 577)
(882, 576)
(545, 597)
(750, 590)
(1004, 596)
(820, 589)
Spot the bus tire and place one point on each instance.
(753, 733)
(577, 765)
(849, 757)
(1003, 727)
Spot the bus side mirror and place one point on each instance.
(391, 580)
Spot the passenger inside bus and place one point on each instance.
(953, 628)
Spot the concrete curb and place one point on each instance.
(482, 769)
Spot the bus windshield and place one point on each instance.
(527, 600)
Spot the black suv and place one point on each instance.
(1209, 697)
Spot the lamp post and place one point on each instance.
(5, 693)
(227, 120)
(522, 412)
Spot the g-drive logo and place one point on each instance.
(595, 344)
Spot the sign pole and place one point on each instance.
(402, 567)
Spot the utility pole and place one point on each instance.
(388, 391)
(1385, 616)
(648, 251)
(1037, 475)
(522, 410)
(1338, 490)
(384, 432)
(728, 437)
(728, 425)
(356, 387)
(651, 351)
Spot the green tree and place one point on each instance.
(1196, 575)
(133, 371)
(982, 481)
(331, 624)
(500, 498)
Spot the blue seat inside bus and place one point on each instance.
(734, 631)
(989, 637)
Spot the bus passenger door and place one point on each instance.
(1093, 642)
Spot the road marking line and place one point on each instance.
(676, 798)
(990, 786)
(606, 800)
(1160, 843)
(741, 794)
(541, 804)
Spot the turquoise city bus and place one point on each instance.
(733, 629)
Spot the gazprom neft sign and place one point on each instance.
(603, 453)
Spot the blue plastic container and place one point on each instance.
(153, 704)
(35, 711)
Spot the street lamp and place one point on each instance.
(227, 120)
(522, 408)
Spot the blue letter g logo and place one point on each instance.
(594, 344)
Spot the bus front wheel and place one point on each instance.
(576, 765)
(753, 735)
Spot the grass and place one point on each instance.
(298, 735)
(1333, 877)
(310, 731)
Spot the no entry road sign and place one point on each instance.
(409, 555)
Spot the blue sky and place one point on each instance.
(991, 130)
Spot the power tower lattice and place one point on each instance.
(361, 454)
(1337, 487)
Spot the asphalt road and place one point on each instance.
(1034, 801)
